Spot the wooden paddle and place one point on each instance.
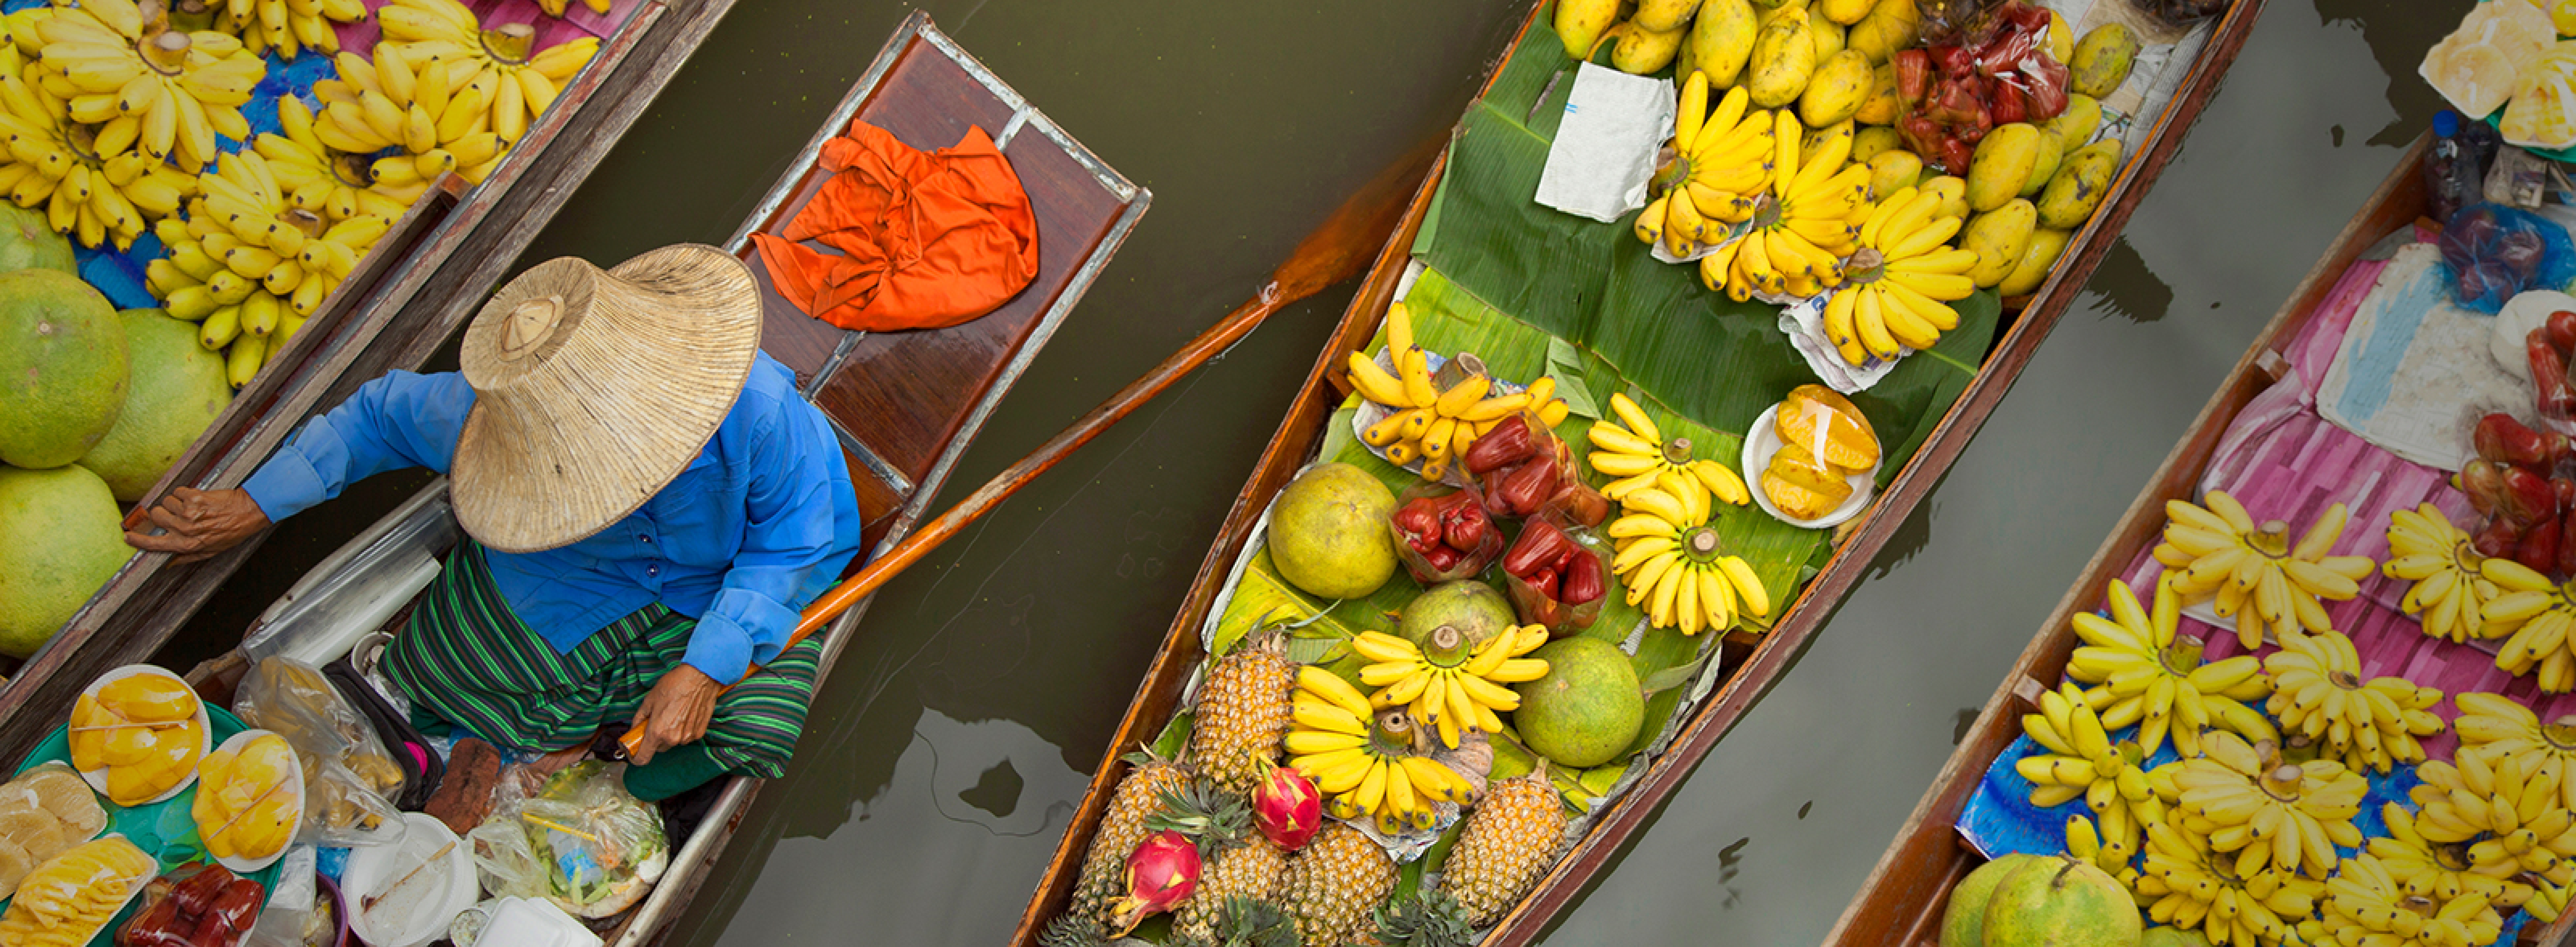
(1336, 251)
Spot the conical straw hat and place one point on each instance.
(594, 389)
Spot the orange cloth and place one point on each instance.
(925, 240)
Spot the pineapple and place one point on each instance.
(1510, 839)
(1240, 922)
(1212, 817)
(1243, 713)
(1427, 918)
(1251, 871)
(1122, 828)
(1334, 885)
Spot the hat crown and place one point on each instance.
(594, 389)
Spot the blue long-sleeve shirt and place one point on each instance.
(761, 523)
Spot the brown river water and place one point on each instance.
(959, 731)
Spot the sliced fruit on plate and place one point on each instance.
(2482, 63)
(1801, 488)
(2543, 112)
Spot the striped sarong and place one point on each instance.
(467, 658)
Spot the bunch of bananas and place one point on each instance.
(326, 180)
(141, 82)
(1720, 163)
(1670, 557)
(2366, 907)
(289, 27)
(2493, 724)
(1364, 760)
(2424, 548)
(1436, 426)
(2533, 615)
(95, 195)
(1900, 283)
(417, 106)
(1458, 685)
(501, 60)
(2258, 578)
(556, 8)
(2317, 691)
(1639, 455)
(2083, 762)
(1802, 227)
(2187, 882)
(2148, 675)
(2502, 817)
(248, 268)
(2423, 867)
(2271, 814)
(2085, 843)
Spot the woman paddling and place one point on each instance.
(648, 504)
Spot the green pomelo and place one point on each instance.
(177, 390)
(1963, 923)
(1587, 709)
(60, 539)
(2061, 902)
(2172, 937)
(27, 242)
(62, 368)
(1328, 532)
(1472, 607)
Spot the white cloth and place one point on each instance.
(1804, 323)
(2414, 372)
(1604, 153)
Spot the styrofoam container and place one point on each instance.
(520, 922)
(420, 911)
(1763, 441)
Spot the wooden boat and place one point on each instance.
(1749, 664)
(406, 297)
(1901, 902)
(906, 404)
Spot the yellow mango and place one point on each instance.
(1890, 26)
(1845, 12)
(1954, 195)
(1893, 170)
(1581, 23)
(1836, 91)
(2052, 150)
(1641, 51)
(1870, 142)
(2080, 185)
(2075, 125)
(1784, 56)
(1883, 106)
(2102, 60)
(127, 746)
(1829, 37)
(148, 697)
(1998, 237)
(1721, 41)
(2001, 165)
(2037, 259)
(1815, 416)
(2061, 38)
(1663, 16)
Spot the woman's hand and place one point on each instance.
(199, 524)
(675, 712)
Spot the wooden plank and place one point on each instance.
(1905, 893)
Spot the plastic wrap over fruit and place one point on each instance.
(1443, 533)
(583, 842)
(1556, 576)
(194, 906)
(2492, 252)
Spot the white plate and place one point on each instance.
(430, 907)
(97, 778)
(294, 789)
(1764, 440)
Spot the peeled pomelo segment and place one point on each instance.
(2543, 111)
(2482, 64)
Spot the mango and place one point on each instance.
(1665, 16)
(1870, 142)
(1954, 195)
(2061, 38)
(1642, 51)
(1834, 94)
(2052, 150)
(1784, 56)
(2079, 186)
(1893, 170)
(1998, 238)
(1829, 37)
(2046, 245)
(2075, 125)
(2001, 164)
(1815, 420)
(1581, 23)
(1781, 4)
(1890, 26)
(1721, 40)
(1845, 12)
(1883, 106)
(2102, 60)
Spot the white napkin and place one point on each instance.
(1604, 152)
(1804, 323)
(2415, 372)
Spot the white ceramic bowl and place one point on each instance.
(1764, 440)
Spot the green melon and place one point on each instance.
(1963, 923)
(27, 242)
(1472, 607)
(177, 390)
(1587, 709)
(60, 539)
(62, 368)
(1328, 532)
(2061, 902)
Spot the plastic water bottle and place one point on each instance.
(2452, 175)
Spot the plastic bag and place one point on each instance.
(1556, 576)
(2183, 12)
(1443, 533)
(2493, 252)
(194, 906)
(71, 898)
(582, 842)
(1946, 22)
(347, 773)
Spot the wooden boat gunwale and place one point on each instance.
(1901, 901)
(378, 311)
(1167, 676)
